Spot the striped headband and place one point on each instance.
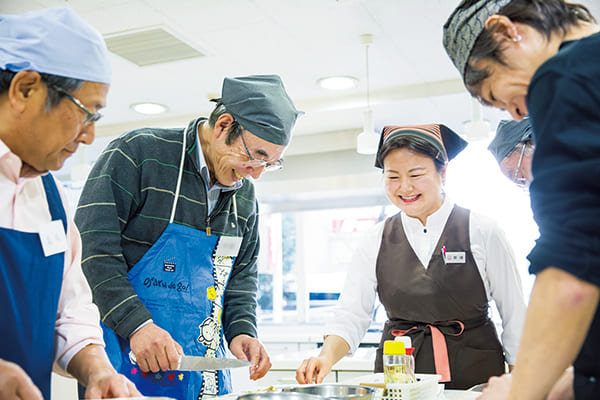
(444, 139)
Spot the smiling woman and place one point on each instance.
(431, 250)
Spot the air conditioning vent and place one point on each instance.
(150, 46)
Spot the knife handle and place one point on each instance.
(134, 360)
(132, 357)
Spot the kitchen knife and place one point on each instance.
(196, 363)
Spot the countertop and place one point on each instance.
(367, 378)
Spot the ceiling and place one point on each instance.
(412, 80)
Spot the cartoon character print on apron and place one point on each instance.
(28, 306)
(181, 280)
(443, 308)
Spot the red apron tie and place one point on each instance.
(440, 349)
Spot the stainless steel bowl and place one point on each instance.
(277, 396)
(334, 392)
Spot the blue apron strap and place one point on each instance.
(57, 211)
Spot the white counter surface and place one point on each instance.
(366, 378)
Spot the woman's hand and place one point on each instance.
(563, 388)
(314, 368)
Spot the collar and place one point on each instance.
(438, 218)
(11, 164)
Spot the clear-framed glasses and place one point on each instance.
(256, 163)
(522, 182)
(91, 116)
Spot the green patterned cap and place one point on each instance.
(464, 26)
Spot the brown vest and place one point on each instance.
(415, 297)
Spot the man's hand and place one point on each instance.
(154, 349)
(105, 384)
(15, 384)
(246, 347)
(91, 367)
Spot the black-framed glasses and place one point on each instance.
(91, 116)
(256, 163)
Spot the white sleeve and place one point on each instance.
(77, 319)
(497, 266)
(354, 309)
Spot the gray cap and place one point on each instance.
(464, 26)
(508, 134)
(260, 104)
(54, 41)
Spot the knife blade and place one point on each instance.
(195, 363)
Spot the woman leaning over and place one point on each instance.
(542, 58)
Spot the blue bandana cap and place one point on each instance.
(508, 134)
(260, 104)
(54, 41)
(464, 26)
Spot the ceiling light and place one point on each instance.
(149, 108)
(338, 82)
(368, 140)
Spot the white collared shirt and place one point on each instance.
(492, 253)
(25, 208)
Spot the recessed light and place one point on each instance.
(337, 82)
(149, 108)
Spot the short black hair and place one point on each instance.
(54, 97)
(235, 130)
(545, 16)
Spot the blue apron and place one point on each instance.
(30, 285)
(181, 280)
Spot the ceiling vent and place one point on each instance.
(150, 46)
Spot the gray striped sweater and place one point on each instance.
(125, 206)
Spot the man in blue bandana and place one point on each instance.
(54, 78)
(513, 148)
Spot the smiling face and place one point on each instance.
(412, 183)
(44, 139)
(230, 163)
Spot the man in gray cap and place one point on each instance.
(169, 222)
(54, 77)
(513, 148)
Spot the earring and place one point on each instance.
(517, 39)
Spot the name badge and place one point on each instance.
(228, 246)
(454, 257)
(53, 238)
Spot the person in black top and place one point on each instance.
(542, 59)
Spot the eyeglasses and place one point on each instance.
(256, 163)
(522, 182)
(91, 116)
